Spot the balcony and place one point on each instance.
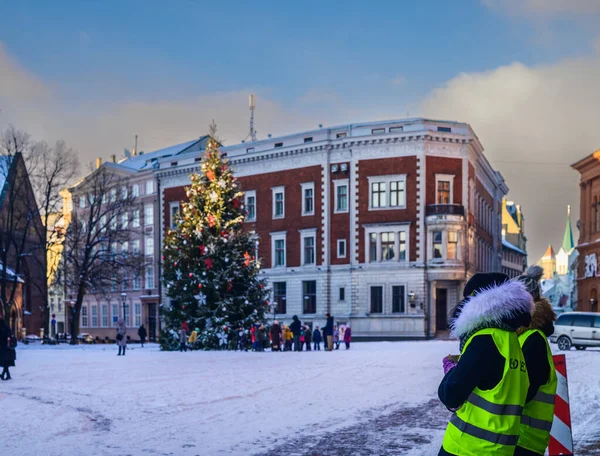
(444, 209)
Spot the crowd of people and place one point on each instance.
(278, 337)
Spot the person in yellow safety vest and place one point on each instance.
(538, 413)
(487, 386)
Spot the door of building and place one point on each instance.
(152, 322)
(441, 309)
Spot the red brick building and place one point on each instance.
(379, 223)
(588, 277)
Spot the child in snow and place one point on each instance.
(301, 340)
(193, 338)
(347, 337)
(336, 337)
(308, 337)
(317, 338)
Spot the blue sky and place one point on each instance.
(523, 73)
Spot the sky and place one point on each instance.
(523, 73)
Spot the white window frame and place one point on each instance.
(308, 186)
(135, 190)
(125, 221)
(135, 219)
(278, 236)
(84, 314)
(345, 244)
(459, 253)
(308, 233)
(94, 315)
(341, 183)
(391, 303)
(149, 276)
(387, 180)
(137, 314)
(124, 192)
(113, 195)
(445, 178)
(275, 191)
(114, 314)
(173, 205)
(149, 246)
(250, 194)
(383, 296)
(149, 213)
(150, 187)
(135, 246)
(387, 229)
(82, 202)
(104, 320)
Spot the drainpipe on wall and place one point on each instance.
(160, 228)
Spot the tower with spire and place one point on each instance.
(566, 250)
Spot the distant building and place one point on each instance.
(379, 223)
(548, 263)
(588, 279)
(514, 241)
(135, 298)
(559, 284)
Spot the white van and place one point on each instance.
(577, 329)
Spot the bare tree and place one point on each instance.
(95, 253)
(51, 169)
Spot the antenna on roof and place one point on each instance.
(252, 105)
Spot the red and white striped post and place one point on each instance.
(561, 438)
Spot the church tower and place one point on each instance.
(548, 263)
(562, 258)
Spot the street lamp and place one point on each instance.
(124, 302)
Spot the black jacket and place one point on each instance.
(8, 355)
(328, 329)
(296, 327)
(142, 332)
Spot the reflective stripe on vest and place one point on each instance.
(536, 422)
(496, 409)
(488, 422)
(490, 436)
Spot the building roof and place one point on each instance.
(568, 243)
(508, 245)
(549, 255)
(5, 162)
(145, 160)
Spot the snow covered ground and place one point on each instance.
(375, 399)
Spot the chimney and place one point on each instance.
(98, 163)
(113, 158)
(135, 146)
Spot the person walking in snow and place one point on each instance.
(308, 337)
(336, 337)
(275, 336)
(347, 337)
(8, 354)
(182, 339)
(538, 413)
(261, 339)
(288, 336)
(121, 337)
(142, 334)
(317, 339)
(296, 328)
(328, 332)
(487, 386)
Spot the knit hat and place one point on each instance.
(531, 280)
(482, 281)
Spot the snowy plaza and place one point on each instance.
(374, 399)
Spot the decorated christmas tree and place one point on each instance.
(210, 270)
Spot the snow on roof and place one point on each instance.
(508, 245)
(142, 161)
(11, 274)
(5, 162)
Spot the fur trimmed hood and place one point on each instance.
(542, 318)
(493, 306)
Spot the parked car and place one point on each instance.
(85, 338)
(577, 329)
(33, 338)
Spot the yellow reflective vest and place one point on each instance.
(488, 423)
(538, 413)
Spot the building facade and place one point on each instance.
(514, 241)
(135, 297)
(379, 223)
(588, 247)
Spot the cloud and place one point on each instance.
(546, 8)
(398, 81)
(16, 83)
(533, 123)
(103, 128)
